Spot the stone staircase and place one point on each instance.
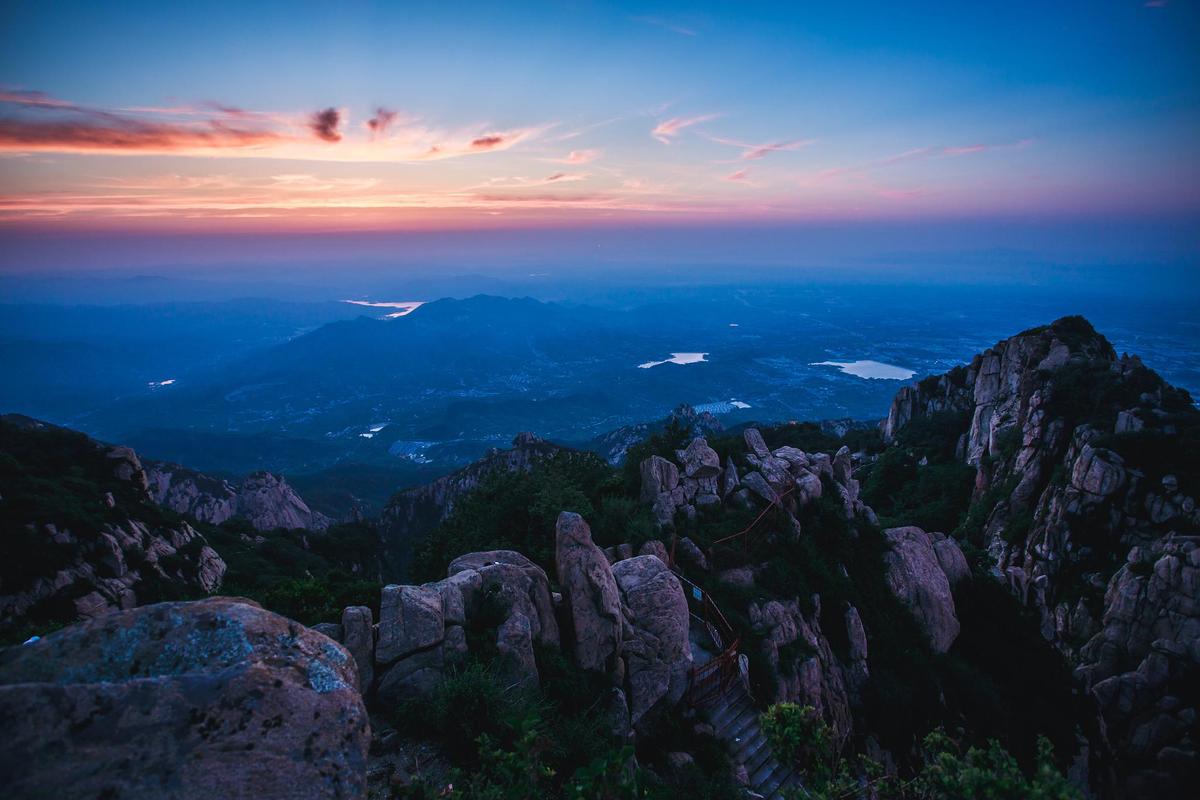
(735, 720)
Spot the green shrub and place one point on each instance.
(988, 774)
(798, 735)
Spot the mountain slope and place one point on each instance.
(81, 534)
(1086, 468)
(413, 513)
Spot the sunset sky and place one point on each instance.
(152, 117)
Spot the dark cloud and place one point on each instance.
(325, 125)
(382, 120)
(558, 176)
(487, 142)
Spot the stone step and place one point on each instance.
(739, 732)
(735, 720)
(756, 757)
(760, 777)
(747, 726)
(790, 779)
(730, 711)
(732, 718)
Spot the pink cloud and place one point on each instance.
(667, 130)
(45, 123)
(753, 152)
(900, 194)
(741, 176)
(965, 149)
(577, 157)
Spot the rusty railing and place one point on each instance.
(713, 678)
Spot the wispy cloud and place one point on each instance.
(36, 122)
(915, 154)
(576, 157)
(522, 182)
(667, 130)
(900, 194)
(753, 152)
(666, 24)
(741, 176)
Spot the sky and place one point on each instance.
(134, 121)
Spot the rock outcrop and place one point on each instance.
(916, 577)
(214, 698)
(590, 595)
(801, 663)
(263, 499)
(103, 546)
(1087, 524)
(786, 476)
(654, 643)
(422, 634)
(516, 583)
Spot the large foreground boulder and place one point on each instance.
(210, 699)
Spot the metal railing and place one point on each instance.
(745, 532)
(712, 679)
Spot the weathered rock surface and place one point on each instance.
(801, 662)
(658, 476)
(422, 628)
(590, 594)
(699, 460)
(950, 558)
(358, 637)
(410, 619)
(755, 443)
(654, 642)
(515, 581)
(1086, 540)
(214, 698)
(263, 499)
(514, 644)
(916, 578)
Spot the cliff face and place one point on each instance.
(82, 535)
(1085, 486)
(264, 499)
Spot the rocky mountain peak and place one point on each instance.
(1084, 502)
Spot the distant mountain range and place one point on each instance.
(310, 389)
